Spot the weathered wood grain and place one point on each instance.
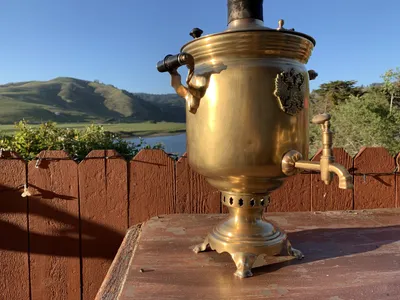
(151, 185)
(14, 274)
(193, 193)
(116, 275)
(293, 195)
(103, 191)
(347, 256)
(54, 228)
(374, 190)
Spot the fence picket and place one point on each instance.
(293, 195)
(374, 190)
(193, 193)
(14, 275)
(54, 227)
(151, 185)
(103, 193)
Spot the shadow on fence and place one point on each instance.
(59, 241)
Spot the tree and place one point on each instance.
(364, 121)
(336, 92)
(391, 85)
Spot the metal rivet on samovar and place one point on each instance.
(247, 94)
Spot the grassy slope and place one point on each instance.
(73, 100)
(125, 129)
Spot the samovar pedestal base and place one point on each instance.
(245, 235)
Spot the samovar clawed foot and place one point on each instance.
(244, 263)
(246, 235)
(293, 252)
(204, 246)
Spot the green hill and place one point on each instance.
(66, 99)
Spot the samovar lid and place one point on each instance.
(247, 15)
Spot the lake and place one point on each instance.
(172, 143)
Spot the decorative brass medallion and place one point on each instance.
(289, 91)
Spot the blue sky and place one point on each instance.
(119, 41)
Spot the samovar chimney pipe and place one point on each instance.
(245, 9)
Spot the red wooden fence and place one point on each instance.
(59, 241)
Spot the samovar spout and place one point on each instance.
(292, 161)
(345, 179)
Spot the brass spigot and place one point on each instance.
(292, 162)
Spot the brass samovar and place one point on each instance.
(247, 121)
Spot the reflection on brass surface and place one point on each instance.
(247, 128)
(289, 91)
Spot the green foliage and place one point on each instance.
(123, 129)
(336, 92)
(28, 141)
(391, 85)
(362, 121)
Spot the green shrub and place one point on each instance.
(29, 141)
(361, 121)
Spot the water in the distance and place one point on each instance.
(172, 143)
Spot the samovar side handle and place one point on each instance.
(170, 64)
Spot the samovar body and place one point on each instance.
(247, 96)
(240, 131)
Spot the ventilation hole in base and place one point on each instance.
(252, 202)
(262, 202)
(231, 200)
(240, 202)
(224, 199)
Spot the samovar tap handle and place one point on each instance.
(327, 152)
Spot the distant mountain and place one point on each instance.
(65, 99)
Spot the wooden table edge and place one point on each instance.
(116, 275)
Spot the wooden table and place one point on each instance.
(348, 255)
